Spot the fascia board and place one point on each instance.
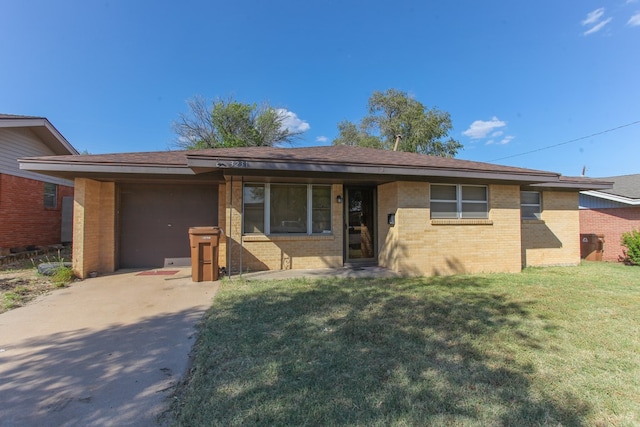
(612, 197)
(238, 166)
(93, 168)
(61, 139)
(40, 123)
(20, 123)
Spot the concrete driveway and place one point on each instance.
(106, 351)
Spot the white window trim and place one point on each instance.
(459, 200)
(267, 208)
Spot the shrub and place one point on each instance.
(63, 276)
(631, 240)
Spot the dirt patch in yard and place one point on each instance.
(20, 281)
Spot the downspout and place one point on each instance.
(241, 220)
(230, 228)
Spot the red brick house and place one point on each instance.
(611, 212)
(31, 204)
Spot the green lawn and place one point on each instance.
(556, 346)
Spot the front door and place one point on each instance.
(360, 242)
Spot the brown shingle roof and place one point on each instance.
(327, 159)
(155, 158)
(347, 155)
(336, 155)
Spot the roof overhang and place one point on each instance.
(574, 183)
(44, 130)
(612, 197)
(77, 168)
(242, 167)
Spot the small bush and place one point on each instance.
(631, 240)
(63, 276)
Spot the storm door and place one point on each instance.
(360, 241)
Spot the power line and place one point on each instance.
(567, 142)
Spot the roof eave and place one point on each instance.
(45, 130)
(575, 185)
(612, 197)
(52, 167)
(204, 164)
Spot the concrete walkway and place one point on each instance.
(106, 351)
(320, 273)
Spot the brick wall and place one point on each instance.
(417, 245)
(94, 222)
(612, 223)
(554, 239)
(25, 220)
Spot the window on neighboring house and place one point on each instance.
(287, 208)
(530, 204)
(50, 195)
(453, 201)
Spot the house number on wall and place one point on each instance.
(238, 164)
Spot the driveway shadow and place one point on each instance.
(119, 375)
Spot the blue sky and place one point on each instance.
(516, 77)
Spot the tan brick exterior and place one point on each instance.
(259, 252)
(94, 234)
(555, 239)
(417, 245)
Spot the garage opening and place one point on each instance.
(154, 221)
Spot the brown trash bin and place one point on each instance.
(204, 243)
(591, 246)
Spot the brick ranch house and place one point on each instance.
(611, 212)
(313, 207)
(31, 204)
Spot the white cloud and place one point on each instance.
(497, 134)
(593, 19)
(507, 139)
(321, 139)
(291, 121)
(480, 128)
(597, 27)
(593, 16)
(634, 21)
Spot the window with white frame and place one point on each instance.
(459, 201)
(287, 209)
(530, 204)
(50, 195)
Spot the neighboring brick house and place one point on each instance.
(316, 207)
(31, 204)
(611, 212)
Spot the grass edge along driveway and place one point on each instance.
(554, 346)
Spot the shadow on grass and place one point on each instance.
(367, 352)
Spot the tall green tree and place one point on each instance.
(394, 117)
(229, 123)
